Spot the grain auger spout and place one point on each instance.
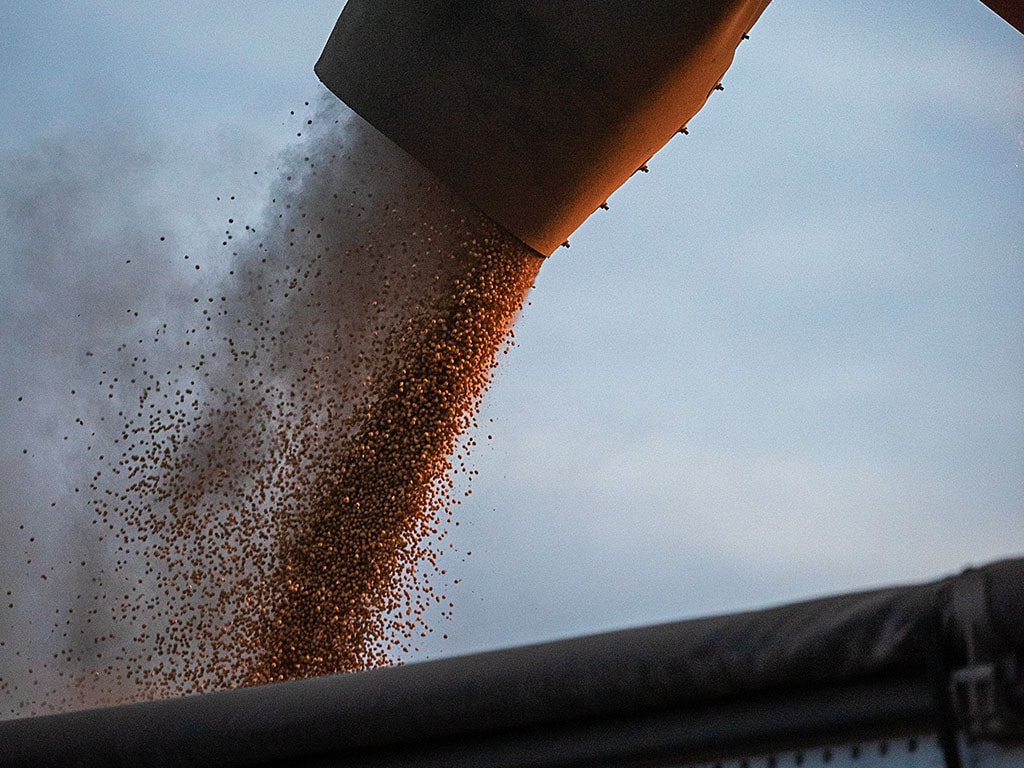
(533, 111)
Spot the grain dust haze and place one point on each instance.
(257, 488)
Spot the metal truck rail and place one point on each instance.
(927, 674)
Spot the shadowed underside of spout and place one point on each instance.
(1012, 12)
(533, 111)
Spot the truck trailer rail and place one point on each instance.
(923, 674)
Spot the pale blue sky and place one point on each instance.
(789, 361)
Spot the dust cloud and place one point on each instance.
(257, 487)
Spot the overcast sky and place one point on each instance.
(787, 362)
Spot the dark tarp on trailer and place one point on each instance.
(862, 664)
